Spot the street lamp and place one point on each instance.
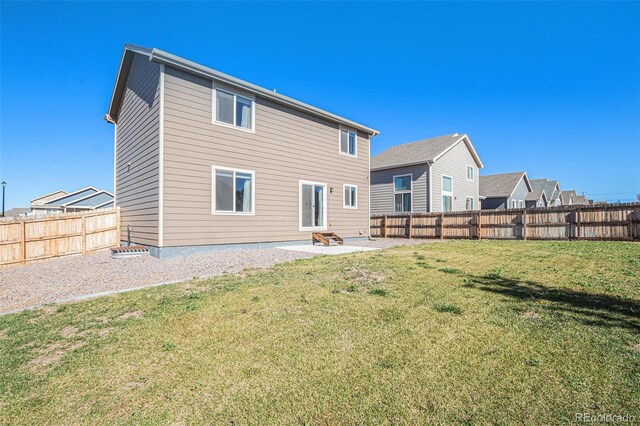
(3, 185)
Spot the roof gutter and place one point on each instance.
(162, 57)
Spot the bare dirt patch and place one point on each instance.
(363, 274)
(3, 335)
(531, 315)
(69, 332)
(131, 314)
(52, 354)
(637, 348)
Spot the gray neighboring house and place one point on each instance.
(568, 197)
(204, 161)
(551, 189)
(84, 199)
(17, 212)
(580, 200)
(504, 190)
(430, 175)
(536, 198)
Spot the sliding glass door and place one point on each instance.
(313, 205)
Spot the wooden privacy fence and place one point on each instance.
(595, 222)
(26, 240)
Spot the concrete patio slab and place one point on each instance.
(329, 250)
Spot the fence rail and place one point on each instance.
(614, 222)
(29, 239)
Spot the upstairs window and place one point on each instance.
(233, 110)
(350, 196)
(402, 193)
(471, 172)
(348, 142)
(233, 191)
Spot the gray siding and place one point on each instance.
(454, 163)
(520, 193)
(499, 203)
(533, 203)
(137, 153)
(494, 203)
(382, 188)
(288, 145)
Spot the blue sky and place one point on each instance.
(549, 88)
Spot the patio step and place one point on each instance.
(326, 238)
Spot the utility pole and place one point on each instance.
(3, 185)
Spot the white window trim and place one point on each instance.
(214, 91)
(344, 200)
(340, 129)
(449, 193)
(467, 173)
(410, 191)
(324, 202)
(213, 191)
(473, 202)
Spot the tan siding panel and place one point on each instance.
(137, 142)
(287, 146)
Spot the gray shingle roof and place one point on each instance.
(421, 151)
(567, 196)
(548, 186)
(580, 199)
(16, 211)
(500, 185)
(534, 195)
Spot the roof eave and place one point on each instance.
(396, 166)
(166, 58)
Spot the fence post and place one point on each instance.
(23, 241)
(578, 224)
(441, 226)
(84, 234)
(410, 226)
(384, 226)
(479, 224)
(524, 224)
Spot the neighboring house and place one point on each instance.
(581, 200)
(536, 198)
(431, 175)
(204, 159)
(84, 199)
(551, 189)
(568, 197)
(17, 212)
(504, 191)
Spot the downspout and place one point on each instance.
(108, 119)
(369, 191)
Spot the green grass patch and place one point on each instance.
(444, 307)
(511, 332)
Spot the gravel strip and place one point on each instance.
(75, 277)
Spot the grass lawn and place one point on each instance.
(461, 332)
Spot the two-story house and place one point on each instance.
(204, 159)
(432, 175)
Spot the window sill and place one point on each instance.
(231, 126)
(313, 228)
(348, 155)
(217, 213)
